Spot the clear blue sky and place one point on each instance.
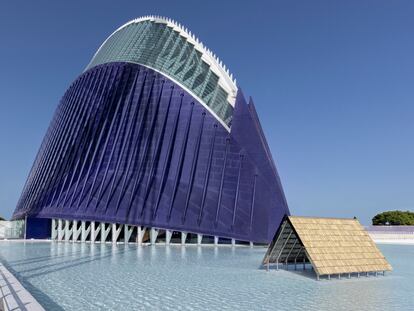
(333, 82)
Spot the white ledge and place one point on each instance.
(13, 296)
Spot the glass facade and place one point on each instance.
(159, 46)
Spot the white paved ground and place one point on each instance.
(13, 296)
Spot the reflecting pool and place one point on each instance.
(74, 276)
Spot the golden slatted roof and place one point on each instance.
(336, 245)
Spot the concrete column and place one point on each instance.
(168, 235)
(216, 240)
(183, 237)
(199, 239)
(251, 244)
(233, 242)
(84, 231)
(68, 230)
(153, 236)
(92, 239)
(94, 231)
(76, 231)
(61, 233)
(127, 233)
(141, 232)
(105, 231)
(115, 233)
(54, 229)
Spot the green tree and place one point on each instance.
(394, 218)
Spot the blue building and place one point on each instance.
(154, 135)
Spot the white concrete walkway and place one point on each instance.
(13, 296)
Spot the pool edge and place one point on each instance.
(13, 295)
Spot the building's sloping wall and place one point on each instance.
(160, 45)
(127, 145)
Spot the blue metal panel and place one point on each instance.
(123, 149)
(38, 228)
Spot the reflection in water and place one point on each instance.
(168, 253)
(199, 252)
(140, 252)
(183, 252)
(80, 276)
(216, 252)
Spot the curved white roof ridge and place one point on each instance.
(216, 65)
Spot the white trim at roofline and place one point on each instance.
(226, 80)
(190, 92)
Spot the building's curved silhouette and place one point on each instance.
(156, 133)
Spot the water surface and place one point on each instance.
(74, 276)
